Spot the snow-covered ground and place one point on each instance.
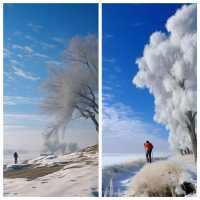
(78, 176)
(118, 179)
(110, 159)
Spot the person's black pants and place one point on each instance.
(148, 156)
(15, 160)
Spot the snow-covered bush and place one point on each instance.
(162, 178)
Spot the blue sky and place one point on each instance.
(126, 30)
(35, 37)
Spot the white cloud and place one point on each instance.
(28, 50)
(109, 60)
(53, 62)
(17, 33)
(14, 62)
(7, 53)
(28, 120)
(28, 37)
(46, 45)
(8, 75)
(26, 75)
(125, 132)
(58, 40)
(107, 95)
(107, 88)
(17, 46)
(19, 55)
(15, 117)
(16, 100)
(40, 55)
(35, 27)
(25, 49)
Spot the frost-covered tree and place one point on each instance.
(72, 88)
(168, 68)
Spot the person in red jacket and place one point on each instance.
(148, 150)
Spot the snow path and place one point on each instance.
(77, 179)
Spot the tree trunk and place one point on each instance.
(191, 116)
(194, 144)
(95, 123)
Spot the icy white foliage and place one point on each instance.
(71, 89)
(168, 68)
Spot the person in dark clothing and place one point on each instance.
(148, 150)
(15, 155)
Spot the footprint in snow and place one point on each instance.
(44, 182)
(61, 176)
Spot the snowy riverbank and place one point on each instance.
(73, 174)
(111, 159)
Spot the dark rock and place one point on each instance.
(188, 187)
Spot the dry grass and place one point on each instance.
(31, 172)
(156, 179)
